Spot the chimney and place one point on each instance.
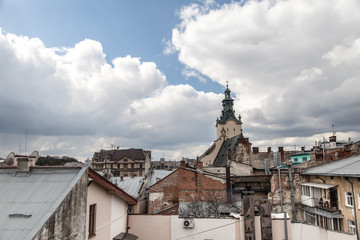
(199, 165)
(303, 149)
(332, 138)
(269, 149)
(281, 151)
(122, 178)
(255, 149)
(182, 163)
(23, 164)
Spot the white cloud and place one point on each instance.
(293, 65)
(73, 102)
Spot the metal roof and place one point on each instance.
(117, 154)
(130, 185)
(157, 175)
(228, 144)
(319, 185)
(28, 200)
(348, 167)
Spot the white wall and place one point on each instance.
(118, 215)
(304, 232)
(204, 228)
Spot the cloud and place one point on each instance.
(293, 65)
(73, 102)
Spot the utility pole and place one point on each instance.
(282, 207)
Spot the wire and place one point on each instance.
(209, 230)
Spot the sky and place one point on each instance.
(80, 76)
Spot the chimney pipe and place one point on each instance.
(269, 149)
(182, 163)
(255, 150)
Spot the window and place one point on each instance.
(125, 166)
(304, 159)
(349, 201)
(92, 220)
(296, 160)
(337, 224)
(352, 229)
(140, 165)
(310, 218)
(305, 190)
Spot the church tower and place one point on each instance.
(228, 124)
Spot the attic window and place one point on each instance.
(19, 215)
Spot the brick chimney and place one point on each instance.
(269, 149)
(281, 151)
(303, 149)
(255, 149)
(182, 163)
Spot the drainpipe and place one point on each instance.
(353, 196)
(127, 224)
(282, 208)
(293, 208)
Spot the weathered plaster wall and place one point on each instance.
(343, 186)
(69, 220)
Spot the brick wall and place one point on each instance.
(185, 185)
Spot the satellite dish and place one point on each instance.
(10, 159)
(36, 155)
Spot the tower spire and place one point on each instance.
(228, 111)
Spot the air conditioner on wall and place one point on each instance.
(188, 223)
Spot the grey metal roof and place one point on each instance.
(157, 175)
(228, 144)
(348, 167)
(130, 185)
(33, 198)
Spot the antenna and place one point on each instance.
(333, 129)
(25, 140)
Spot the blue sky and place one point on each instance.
(136, 28)
(79, 76)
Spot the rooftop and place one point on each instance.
(347, 167)
(28, 199)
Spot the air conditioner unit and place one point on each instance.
(188, 223)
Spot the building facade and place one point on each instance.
(122, 162)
